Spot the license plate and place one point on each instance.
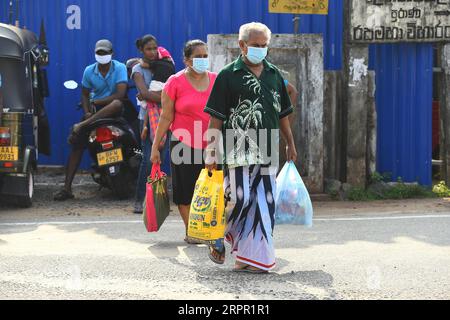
(9, 153)
(109, 157)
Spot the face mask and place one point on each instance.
(200, 65)
(103, 59)
(256, 55)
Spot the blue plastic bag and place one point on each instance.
(293, 203)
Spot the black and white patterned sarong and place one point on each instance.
(251, 215)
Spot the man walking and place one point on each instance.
(250, 97)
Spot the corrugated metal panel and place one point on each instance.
(404, 103)
(331, 26)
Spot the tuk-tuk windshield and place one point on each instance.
(15, 85)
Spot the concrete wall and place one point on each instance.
(333, 120)
(384, 21)
(300, 57)
(336, 126)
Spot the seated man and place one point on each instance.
(104, 90)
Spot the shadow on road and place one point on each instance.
(311, 285)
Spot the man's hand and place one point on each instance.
(87, 115)
(211, 160)
(291, 152)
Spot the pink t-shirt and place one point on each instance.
(190, 118)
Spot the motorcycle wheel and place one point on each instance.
(120, 185)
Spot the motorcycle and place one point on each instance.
(115, 150)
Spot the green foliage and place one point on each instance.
(396, 192)
(378, 177)
(334, 195)
(361, 194)
(403, 191)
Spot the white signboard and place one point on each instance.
(381, 21)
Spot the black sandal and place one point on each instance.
(63, 195)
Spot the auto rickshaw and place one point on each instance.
(24, 128)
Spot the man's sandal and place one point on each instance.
(250, 269)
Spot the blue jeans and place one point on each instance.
(146, 165)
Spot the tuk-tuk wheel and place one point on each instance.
(26, 201)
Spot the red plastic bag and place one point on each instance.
(156, 204)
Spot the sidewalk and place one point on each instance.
(383, 207)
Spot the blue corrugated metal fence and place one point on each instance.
(404, 103)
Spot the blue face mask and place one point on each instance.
(200, 65)
(256, 55)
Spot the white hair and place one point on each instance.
(247, 29)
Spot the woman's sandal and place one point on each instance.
(216, 256)
(189, 240)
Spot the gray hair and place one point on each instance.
(247, 29)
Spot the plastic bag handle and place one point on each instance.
(156, 171)
(211, 173)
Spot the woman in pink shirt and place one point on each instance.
(183, 100)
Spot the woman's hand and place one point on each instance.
(156, 156)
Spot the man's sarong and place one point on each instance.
(251, 215)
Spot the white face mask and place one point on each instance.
(256, 55)
(103, 59)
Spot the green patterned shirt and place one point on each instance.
(247, 104)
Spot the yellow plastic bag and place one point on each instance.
(207, 219)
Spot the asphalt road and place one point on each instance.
(111, 256)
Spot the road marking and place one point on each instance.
(69, 223)
(385, 218)
(82, 184)
(104, 222)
